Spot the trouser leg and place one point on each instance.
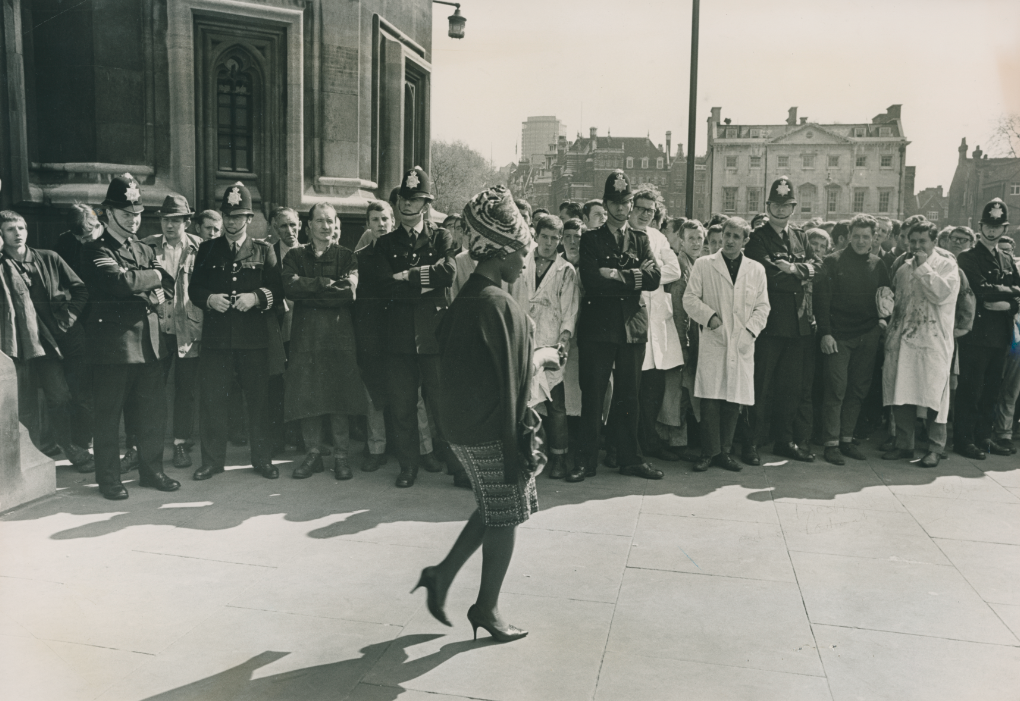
(860, 371)
(403, 380)
(376, 419)
(937, 433)
(989, 394)
(650, 394)
(803, 413)
(1005, 405)
(711, 439)
(973, 363)
(216, 372)
(768, 351)
(110, 388)
(595, 365)
(428, 367)
(626, 388)
(311, 432)
(556, 422)
(906, 415)
(50, 377)
(78, 374)
(185, 387)
(146, 400)
(253, 375)
(728, 414)
(836, 365)
(424, 426)
(341, 428)
(28, 399)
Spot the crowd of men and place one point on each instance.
(683, 339)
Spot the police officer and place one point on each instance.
(780, 351)
(616, 266)
(411, 269)
(236, 283)
(126, 286)
(996, 284)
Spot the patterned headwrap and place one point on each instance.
(497, 226)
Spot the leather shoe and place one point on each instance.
(610, 459)
(407, 476)
(793, 451)
(114, 492)
(726, 462)
(690, 455)
(749, 455)
(930, 460)
(851, 451)
(833, 455)
(580, 472)
(160, 481)
(129, 461)
(269, 471)
(970, 451)
(898, 454)
(81, 459)
(181, 456)
(995, 448)
(663, 454)
(309, 466)
(341, 470)
(703, 464)
(374, 462)
(206, 471)
(557, 466)
(888, 444)
(431, 463)
(460, 479)
(641, 470)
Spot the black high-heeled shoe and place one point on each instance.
(428, 580)
(500, 636)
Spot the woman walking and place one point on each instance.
(485, 344)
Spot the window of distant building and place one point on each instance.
(883, 200)
(860, 132)
(1014, 189)
(756, 161)
(731, 161)
(862, 161)
(234, 125)
(860, 198)
(754, 199)
(630, 162)
(755, 133)
(933, 215)
(644, 163)
(783, 161)
(808, 160)
(885, 131)
(834, 161)
(832, 200)
(659, 163)
(729, 199)
(732, 132)
(806, 198)
(887, 161)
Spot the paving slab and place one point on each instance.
(854, 485)
(950, 480)
(992, 569)
(963, 519)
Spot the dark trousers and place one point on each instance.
(45, 373)
(804, 415)
(404, 374)
(595, 364)
(718, 423)
(136, 390)
(848, 375)
(78, 375)
(216, 369)
(185, 388)
(977, 393)
(778, 366)
(650, 394)
(555, 423)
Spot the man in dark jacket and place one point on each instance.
(236, 283)
(996, 284)
(846, 294)
(779, 351)
(412, 268)
(617, 265)
(126, 287)
(41, 300)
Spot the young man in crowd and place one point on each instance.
(593, 214)
(850, 323)
(713, 239)
(727, 296)
(570, 210)
(208, 224)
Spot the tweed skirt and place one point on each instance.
(500, 504)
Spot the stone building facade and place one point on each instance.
(977, 180)
(838, 169)
(303, 100)
(539, 136)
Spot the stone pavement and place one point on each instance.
(787, 581)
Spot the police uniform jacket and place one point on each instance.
(613, 311)
(124, 295)
(786, 290)
(413, 307)
(255, 269)
(994, 278)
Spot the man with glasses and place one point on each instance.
(779, 352)
(412, 268)
(617, 265)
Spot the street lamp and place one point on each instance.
(457, 20)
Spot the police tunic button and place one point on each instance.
(234, 278)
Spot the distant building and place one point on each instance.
(676, 190)
(538, 136)
(933, 205)
(977, 180)
(837, 169)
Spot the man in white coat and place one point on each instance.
(727, 296)
(919, 343)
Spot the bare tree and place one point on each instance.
(458, 174)
(1005, 139)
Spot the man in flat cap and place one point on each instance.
(236, 282)
(127, 285)
(995, 281)
(616, 266)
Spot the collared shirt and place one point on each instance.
(172, 254)
(621, 235)
(235, 246)
(121, 239)
(733, 266)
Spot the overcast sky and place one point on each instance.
(622, 66)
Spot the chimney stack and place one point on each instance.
(791, 119)
(716, 114)
(803, 120)
(669, 147)
(963, 149)
(594, 138)
(977, 153)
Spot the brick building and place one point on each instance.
(676, 191)
(933, 204)
(838, 169)
(303, 100)
(977, 180)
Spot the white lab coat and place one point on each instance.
(919, 341)
(552, 305)
(726, 355)
(663, 350)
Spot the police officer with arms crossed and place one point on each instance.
(236, 282)
(127, 284)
